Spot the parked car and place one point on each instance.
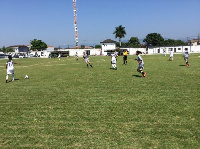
(15, 56)
(21, 56)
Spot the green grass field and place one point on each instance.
(66, 105)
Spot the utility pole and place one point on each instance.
(75, 23)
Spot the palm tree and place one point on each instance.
(120, 32)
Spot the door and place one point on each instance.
(88, 52)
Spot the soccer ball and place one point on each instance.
(26, 77)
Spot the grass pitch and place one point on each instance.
(66, 105)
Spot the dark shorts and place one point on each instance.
(125, 58)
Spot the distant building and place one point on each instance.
(43, 53)
(107, 45)
(194, 42)
(20, 48)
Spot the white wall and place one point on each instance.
(132, 51)
(176, 49)
(107, 46)
(72, 52)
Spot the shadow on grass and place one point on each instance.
(112, 69)
(182, 65)
(137, 76)
(13, 81)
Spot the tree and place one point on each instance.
(82, 46)
(169, 42)
(134, 42)
(180, 43)
(38, 45)
(119, 32)
(172, 42)
(97, 46)
(154, 39)
(3, 49)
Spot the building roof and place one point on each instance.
(108, 41)
(18, 46)
(194, 40)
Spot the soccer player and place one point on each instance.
(125, 53)
(10, 68)
(140, 63)
(76, 56)
(186, 55)
(113, 61)
(171, 55)
(59, 56)
(86, 58)
(116, 54)
(164, 52)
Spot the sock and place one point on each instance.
(13, 76)
(7, 77)
(91, 65)
(87, 65)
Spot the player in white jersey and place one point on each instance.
(86, 58)
(186, 56)
(140, 63)
(164, 52)
(113, 61)
(116, 54)
(171, 55)
(10, 68)
(76, 56)
(59, 56)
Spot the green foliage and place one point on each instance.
(82, 46)
(38, 45)
(119, 32)
(134, 42)
(97, 46)
(180, 43)
(172, 42)
(154, 39)
(117, 44)
(5, 50)
(66, 105)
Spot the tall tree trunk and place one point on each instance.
(120, 43)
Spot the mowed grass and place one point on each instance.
(66, 105)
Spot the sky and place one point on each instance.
(52, 21)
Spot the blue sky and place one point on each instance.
(52, 20)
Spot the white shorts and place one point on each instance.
(87, 60)
(10, 71)
(114, 61)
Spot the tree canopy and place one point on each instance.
(119, 32)
(134, 42)
(154, 39)
(5, 50)
(38, 45)
(97, 46)
(172, 42)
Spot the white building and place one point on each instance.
(20, 48)
(161, 49)
(43, 53)
(107, 45)
(72, 52)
